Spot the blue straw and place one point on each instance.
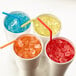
(12, 16)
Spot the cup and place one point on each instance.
(13, 22)
(58, 60)
(52, 22)
(27, 64)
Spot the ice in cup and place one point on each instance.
(14, 21)
(27, 50)
(27, 46)
(60, 53)
(51, 21)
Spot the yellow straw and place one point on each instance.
(27, 23)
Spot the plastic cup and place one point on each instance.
(60, 53)
(50, 20)
(27, 62)
(13, 24)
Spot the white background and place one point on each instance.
(65, 10)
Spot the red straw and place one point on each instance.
(46, 27)
(1, 47)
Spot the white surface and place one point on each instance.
(65, 10)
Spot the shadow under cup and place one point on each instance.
(27, 66)
(60, 52)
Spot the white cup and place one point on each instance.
(46, 38)
(27, 67)
(58, 69)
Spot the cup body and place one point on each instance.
(27, 67)
(58, 69)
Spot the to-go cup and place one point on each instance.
(60, 53)
(13, 22)
(52, 22)
(27, 51)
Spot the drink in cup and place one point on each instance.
(27, 46)
(60, 53)
(27, 50)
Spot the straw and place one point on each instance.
(46, 27)
(11, 16)
(26, 23)
(1, 47)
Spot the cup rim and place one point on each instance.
(20, 32)
(33, 57)
(48, 36)
(57, 62)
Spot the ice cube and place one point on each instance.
(67, 53)
(26, 49)
(20, 43)
(32, 51)
(37, 46)
(14, 22)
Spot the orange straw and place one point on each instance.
(46, 27)
(1, 47)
